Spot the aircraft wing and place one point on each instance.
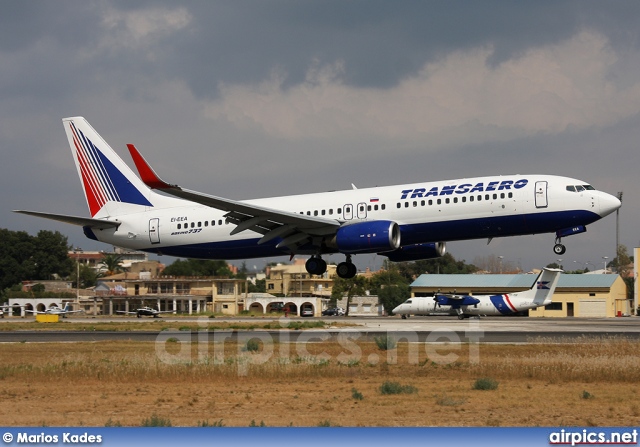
(74, 220)
(294, 229)
(125, 312)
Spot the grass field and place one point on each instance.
(322, 384)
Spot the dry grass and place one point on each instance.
(127, 382)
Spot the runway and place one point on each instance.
(415, 329)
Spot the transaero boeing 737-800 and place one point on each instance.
(403, 222)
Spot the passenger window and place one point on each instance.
(315, 213)
(179, 226)
(486, 197)
(495, 196)
(368, 207)
(220, 222)
(430, 202)
(446, 200)
(339, 210)
(383, 206)
(199, 224)
(470, 198)
(439, 201)
(406, 204)
(455, 200)
(510, 195)
(330, 211)
(399, 204)
(502, 195)
(323, 212)
(464, 199)
(206, 223)
(375, 207)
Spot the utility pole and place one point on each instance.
(618, 226)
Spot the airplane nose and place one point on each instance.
(608, 204)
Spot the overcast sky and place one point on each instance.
(247, 99)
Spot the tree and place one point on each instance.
(26, 257)
(446, 264)
(198, 267)
(112, 263)
(348, 286)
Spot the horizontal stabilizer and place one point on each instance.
(74, 220)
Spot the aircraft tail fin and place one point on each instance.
(110, 186)
(544, 287)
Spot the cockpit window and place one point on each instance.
(407, 302)
(579, 188)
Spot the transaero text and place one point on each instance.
(498, 185)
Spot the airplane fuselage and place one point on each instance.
(487, 305)
(463, 209)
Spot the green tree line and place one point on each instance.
(25, 257)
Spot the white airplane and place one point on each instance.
(403, 222)
(146, 311)
(55, 310)
(464, 306)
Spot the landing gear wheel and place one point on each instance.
(460, 316)
(559, 249)
(316, 266)
(346, 270)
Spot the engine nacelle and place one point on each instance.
(417, 252)
(368, 237)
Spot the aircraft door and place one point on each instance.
(362, 210)
(348, 212)
(154, 231)
(541, 194)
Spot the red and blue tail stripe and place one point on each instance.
(503, 304)
(102, 181)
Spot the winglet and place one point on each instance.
(147, 174)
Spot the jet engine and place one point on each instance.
(368, 237)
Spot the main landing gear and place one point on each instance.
(346, 269)
(315, 265)
(559, 249)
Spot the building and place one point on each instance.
(362, 306)
(126, 291)
(581, 295)
(293, 280)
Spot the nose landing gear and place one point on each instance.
(559, 249)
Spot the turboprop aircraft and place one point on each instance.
(146, 311)
(55, 310)
(404, 222)
(467, 305)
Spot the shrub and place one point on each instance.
(252, 345)
(395, 388)
(587, 395)
(253, 424)
(485, 383)
(211, 424)
(356, 394)
(385, 342)
(156, 421)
